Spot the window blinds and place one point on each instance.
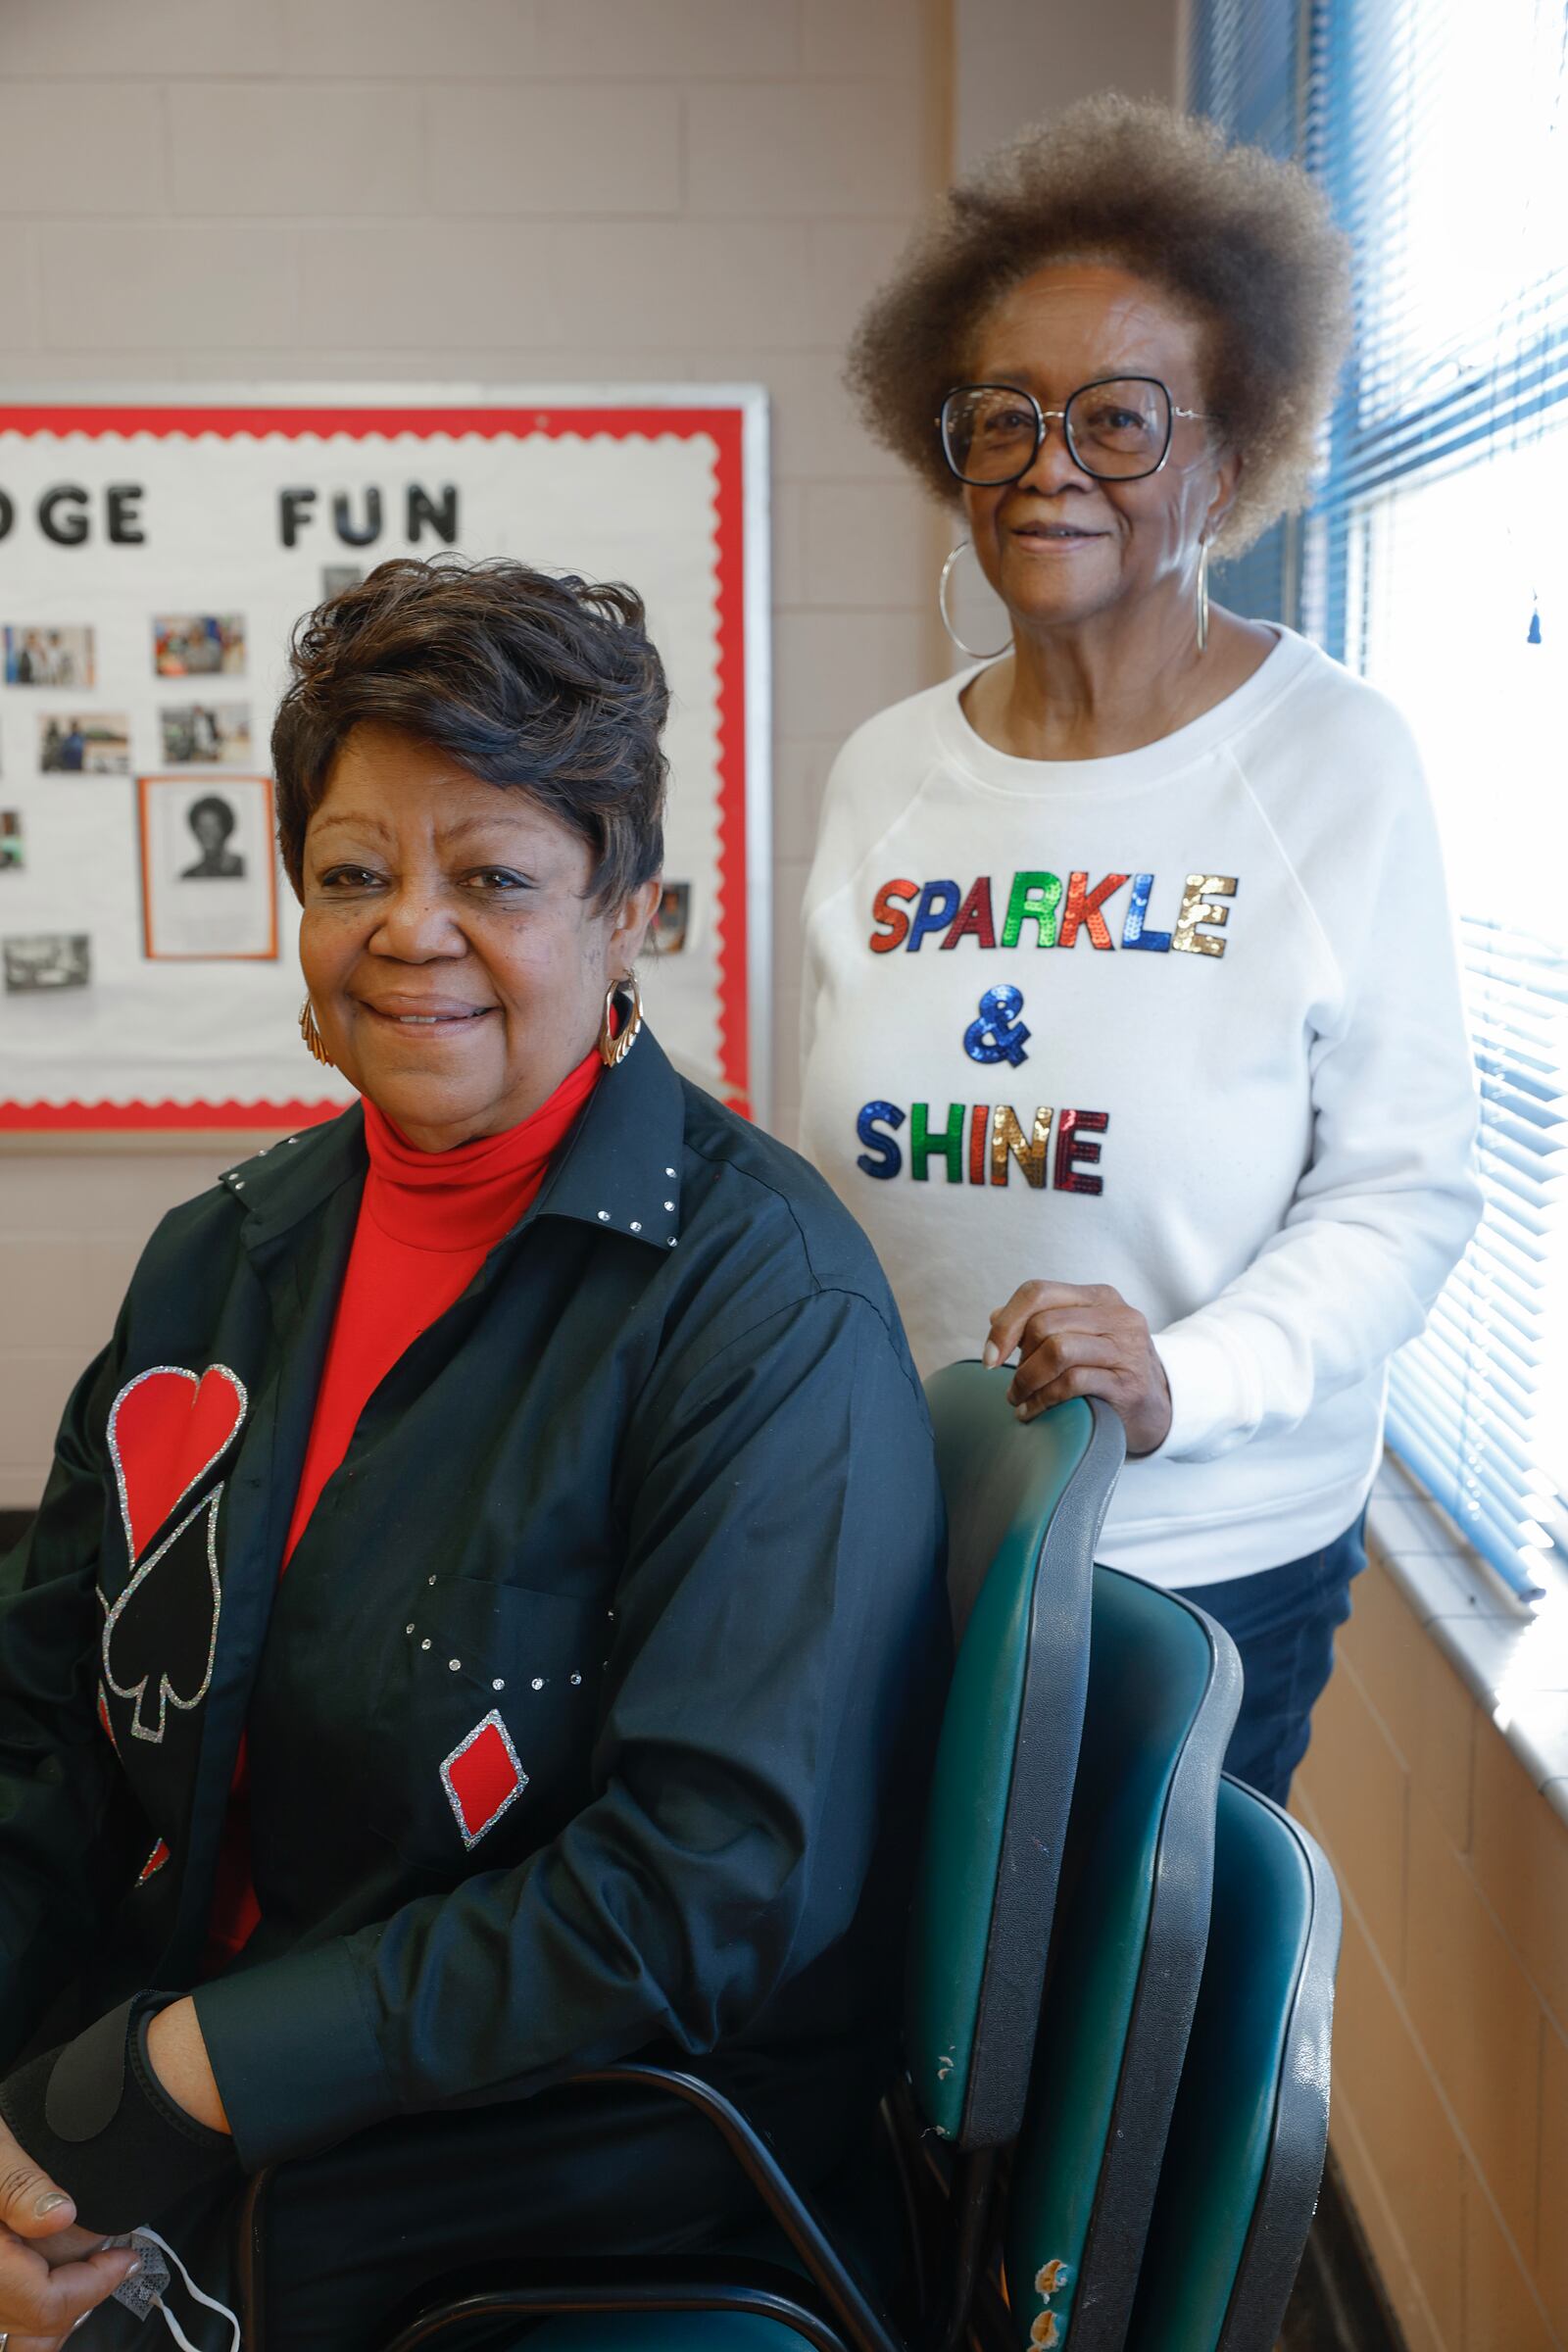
(1433, 561)
(1245, 73)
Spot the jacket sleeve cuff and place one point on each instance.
(296, 2061)
(1209, 1413)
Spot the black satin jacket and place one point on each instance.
(595, 1709)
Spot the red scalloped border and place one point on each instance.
(67, 1118)
(725, 426)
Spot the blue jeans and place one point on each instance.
(1282, 1622)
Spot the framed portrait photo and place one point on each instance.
(209, 869)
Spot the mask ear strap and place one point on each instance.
(210, 2301)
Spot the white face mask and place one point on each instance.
(144, 2294)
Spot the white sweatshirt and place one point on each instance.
(1234, 1083)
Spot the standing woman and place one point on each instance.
(1132, 1032)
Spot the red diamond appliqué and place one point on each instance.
(482, 1776)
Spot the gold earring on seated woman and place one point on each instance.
(314, 1043)
(615, 1043)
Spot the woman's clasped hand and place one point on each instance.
(1082, 1339)
(52, 2271)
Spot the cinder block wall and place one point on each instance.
(495, 190)
(1451, 2051)
(590, 190)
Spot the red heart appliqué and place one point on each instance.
(166, 1428)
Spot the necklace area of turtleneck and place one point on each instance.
(468, 1198)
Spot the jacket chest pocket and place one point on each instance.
(485, 1721)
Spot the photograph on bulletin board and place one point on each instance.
(209, 872)
(159, 551)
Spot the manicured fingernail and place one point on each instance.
(136, 2268)
(991, 1356)
(1021, 1412)
(49, 2202)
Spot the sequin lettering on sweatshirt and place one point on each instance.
(1040, 911)
(983, 1144)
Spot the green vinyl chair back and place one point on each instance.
(1164, 1686)
(1244, 2155)
(1025, 1506)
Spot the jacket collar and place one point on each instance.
(618, 1170)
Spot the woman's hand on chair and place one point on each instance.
(1082, 1339)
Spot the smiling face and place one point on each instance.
(1058, 546)
(456, 963)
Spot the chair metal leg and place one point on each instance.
(973, 2203)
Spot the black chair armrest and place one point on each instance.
(849, 2320)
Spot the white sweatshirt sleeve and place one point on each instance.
(1389, 1199)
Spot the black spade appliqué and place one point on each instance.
(168, 1430)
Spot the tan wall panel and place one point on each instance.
(1407, 2136)
(1501, 2310)
(1551, 2203)
(1478, 2018)
(1418, 2326)
(1451, 2077)
(1359, 1790)
(1427, 1711)
(1520, 1860)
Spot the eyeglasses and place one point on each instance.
(1117, 429)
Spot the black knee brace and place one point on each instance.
(96, 2118)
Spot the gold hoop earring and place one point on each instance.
(615, 1043)
(1202, 597)
(312, 1036)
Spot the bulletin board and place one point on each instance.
(156, 551)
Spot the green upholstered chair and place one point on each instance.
(1244, 2155)
(1164, 1686)
(1025, 1507)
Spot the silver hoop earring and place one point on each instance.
(964, 547)
(1202, 597)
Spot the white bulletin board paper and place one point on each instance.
(156, 551)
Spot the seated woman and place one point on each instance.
(485, 1617)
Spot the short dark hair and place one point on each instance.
(546, 684)
(209, 805)
(1242, 242)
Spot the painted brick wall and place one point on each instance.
(493, 190)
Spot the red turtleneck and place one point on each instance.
(428, 1222)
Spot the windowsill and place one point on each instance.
(1513, 1660)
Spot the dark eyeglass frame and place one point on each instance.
(1041, 417)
